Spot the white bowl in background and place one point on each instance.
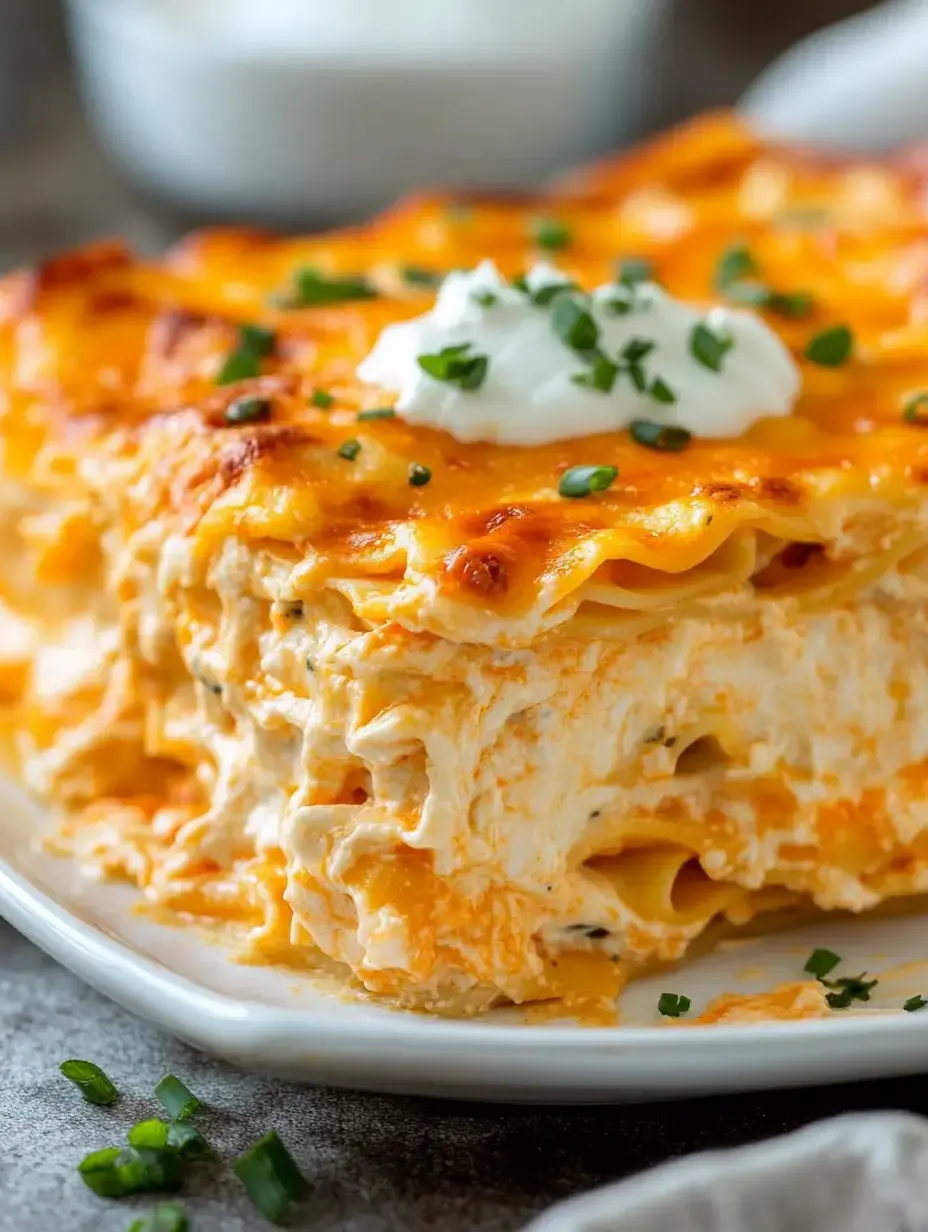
(296, 108)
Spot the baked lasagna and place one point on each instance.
(474, 719)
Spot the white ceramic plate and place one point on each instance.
(277, 1023)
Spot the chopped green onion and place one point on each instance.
(573, 324)
(660, 391)
(601, 376)
(620, 305)
(168, 1217)
(90, 1080)
(322, 399)
(152, 1134)
(821, 962)
(187, 1141)
(349, 450)
(378, 412)
(311, 289)
(583, 480)
(550, 291)
(271, 1178)
(453, 365)
(793, 304)
(520, 283)
(672, 1004)
(735, 264)
(657, 436)
(244, 363)
(419, 475)
(551, 234)
(485, 299)
(709, 348)
(637, 349)
(632, 270)
(915, 410)
(248, 410)
(914, 1003)
(831, 348)
(116, 1171)
(418, 276)
(178, 1101)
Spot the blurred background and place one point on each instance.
(145, 117)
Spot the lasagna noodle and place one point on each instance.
(471, 741)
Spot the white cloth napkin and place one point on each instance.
(860, 85)
(861, 1173)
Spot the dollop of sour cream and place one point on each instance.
(527, 372)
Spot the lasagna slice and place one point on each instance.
(386, 699)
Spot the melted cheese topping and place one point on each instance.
(468, 739)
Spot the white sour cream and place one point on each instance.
(529, 395)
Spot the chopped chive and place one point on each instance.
(419, 475)
(831, 348)
(551, 234)
(248, 410)
(178, 1101)
(601, 376)
(915, 410)
(749, 292)
(520, 283)
(453, 365)
(322, 399)
(271, 1178)
(485, 299)
(583, 480)
(735, 264)
(821, 962)
(792, 304)
(632, 270)
(116, 1171)
(660, 391)
(378, 412)
(349, 450)
(914, 1003)
(545, 295)
(152, 1134)
(90, 1080)
(311, 289)
(241, 365)
(257, 339)
(709, 348)
(619, 305)
(573, 324)
(657, 436)
(418, 276)
(672, 1004)
(637, 349)
(850, 988)
(187, 1141)
(167, 1217)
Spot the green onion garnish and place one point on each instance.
(635, 269)
(378, 412)
(550, 291)
(551, 234)
(311, 289)
(418, 276)
(152, 1134)
(582, 480)
(485, 299)
(168, 1217)
(116, 1171)
(91, 1081)
(709, 348)
(271, 1178)
(177, 1100)
(620, 305)
(656, 436)
(821, 962)
(914, 1003)
(419, 475)
(244, 363)
(831, 348)
(573, 324)
(349, 450)
(187, 1141)
(660, 391)
(601, 376)
(915, 410)
(453, 365)
(852, 988)
(322, 399)
(672, 1004)
(794, 304)
(735, 264)
(248, 410)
